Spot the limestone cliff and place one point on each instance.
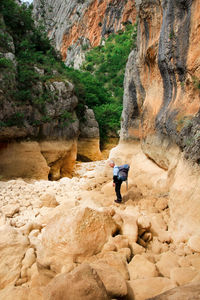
(162, 82)
(39, 127)
(74, 26)
(162, 105)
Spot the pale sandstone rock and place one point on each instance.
(196, 278)
(80, 234)
(137, 249)
(142, 289)
(180, 249)
(167, 261)
(157, 224)
(13, 246)
(39, 277)
(88, 148)
(28, 261)
(118, 219)
(129, 227)
(161, 204)
(195, 261)
(34, 238)
(61, 156)
(113, 281)
(156, 246)
(125, 253)
(23, 160)
(82, 283)
(10, 210)
(49, 200)
(182, 276)
(164, 236)
(185, 189)
(194, 243)
(21, 293)
(184, 261)
(116, 261)
(30, 227)
(109, 247)
(190, 291)
(165, 247)
(68, 267)
(144, 222)
(2, 221)
(140, 268)
(120, 241)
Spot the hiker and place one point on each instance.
(120, 174)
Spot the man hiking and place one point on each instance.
(120, 174)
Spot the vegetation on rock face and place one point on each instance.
(37, 64)
(99, 84)
(107, 63)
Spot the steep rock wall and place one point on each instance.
(38, 133)
(164, 82)
(162, 105)
(74, 26)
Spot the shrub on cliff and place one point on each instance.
(37, 63)
(99, 84)
(107, 63)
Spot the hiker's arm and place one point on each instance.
(115, 173)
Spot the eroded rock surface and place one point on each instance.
(69, 232)
(66, 24)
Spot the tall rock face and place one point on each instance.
(162, 84)
(162, 100)
(74, 26)
(39, 127)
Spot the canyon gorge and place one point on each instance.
(62, 234)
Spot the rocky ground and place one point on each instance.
(57, 235)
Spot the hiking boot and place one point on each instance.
(118, 201)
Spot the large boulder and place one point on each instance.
(13, 246)
(167, 261)
(82, 283)
(117, 261)
(21, 293)
(183, 275)
(74, 237)
(113, 281)
(142, 289)
(190, 291)
(140, 268)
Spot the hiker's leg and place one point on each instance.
(117, 189)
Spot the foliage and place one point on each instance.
(66, 118)
(16, 119)
(5, 63)
(99, 84)
(32, 47)
(108, 116)
(107, 63)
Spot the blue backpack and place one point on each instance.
(123, 172)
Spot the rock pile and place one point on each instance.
(68, 240)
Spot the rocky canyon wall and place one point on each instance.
(74, 26)
(39, 127)
(162, 102)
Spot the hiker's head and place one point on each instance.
(111, 163)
